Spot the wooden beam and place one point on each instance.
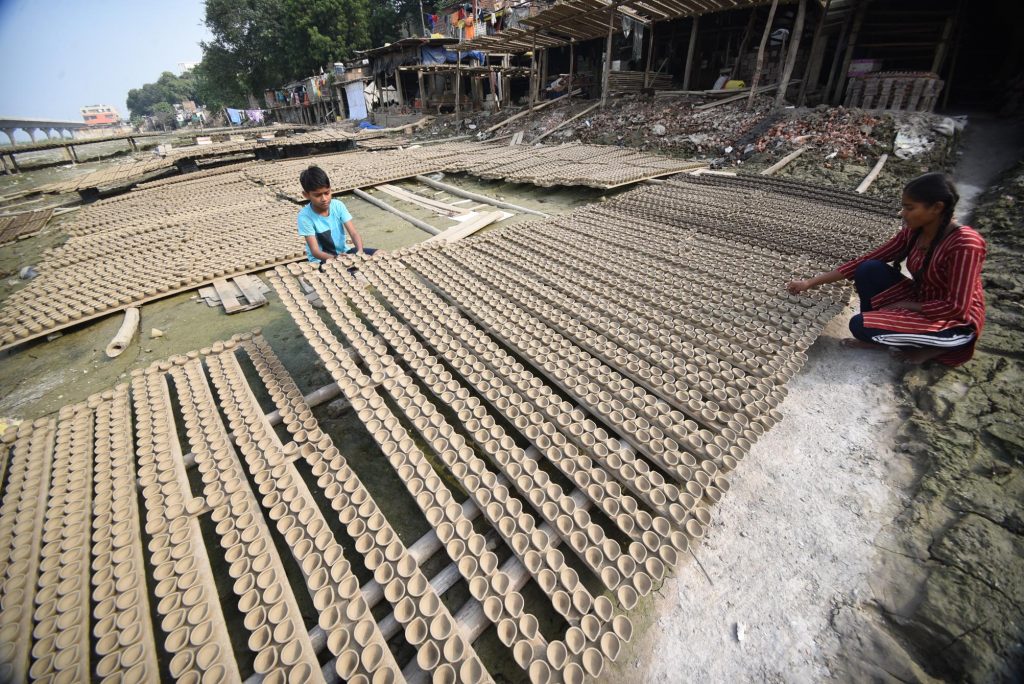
(478, 198)
(760, 54)
(650, 55)
(690, 49)
(743, 44)
(794, 47)
(847, 21)
(523, 113)
(815, 55)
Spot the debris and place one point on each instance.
(741, 631)
(658, 129)
(28, 273)
(155, 333)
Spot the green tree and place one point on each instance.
(168, 89)
(163, 115)
(260, 44)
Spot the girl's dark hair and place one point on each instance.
(934, 187)
(314, 178)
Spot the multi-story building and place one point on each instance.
(100, 115)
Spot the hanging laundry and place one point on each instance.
(255, 115)
(235, 116)
(638, 43)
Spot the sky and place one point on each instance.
(60, 55)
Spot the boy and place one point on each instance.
(326, 223)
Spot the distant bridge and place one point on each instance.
(8, 125)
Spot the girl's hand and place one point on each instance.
(798, 286)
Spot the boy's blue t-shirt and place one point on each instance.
(329, 230)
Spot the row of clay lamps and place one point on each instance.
(61, 296)
(488, 585)
(61, 636)
(352, 634)
(835, 197)
(363, 519)
(558, 310)
(573, 525)
(555, 428)
(464, 545)
(479, 567)
(725, 277)
(125, 641)
(278, 635)
(197, 641)
(629, 320)
(813, 233)
(24, 503)
(653, 426)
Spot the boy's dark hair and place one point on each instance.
(314, 178)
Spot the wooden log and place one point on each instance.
(760, 53)
(457, 232)
(565, 123)
(834, 69)
(784, 162)
(438, 185)
(400, 214)
(870, 178)
(690, 49)
(794, 47)
(650, 54)
(744, 42)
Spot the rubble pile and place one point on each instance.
(849, 134)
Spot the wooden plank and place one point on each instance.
(566, 122)
(250, 287)
(468, 228)
(870, 178)
(427, 202)
(227, 296)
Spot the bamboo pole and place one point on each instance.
(760, 53)
(607, 59)
(794, 48)
(870, 178)
(535, 108)
(690, 49)
(650, 55)
(564, 123)
(836, 57)
(458, 90)
(572, 65)
(478, 198)
(744, 42)
(401, 214)
(858, 21)
(801, 98)
(784, 162)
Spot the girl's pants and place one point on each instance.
(873, 277)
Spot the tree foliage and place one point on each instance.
(260, 44)
(168, 89)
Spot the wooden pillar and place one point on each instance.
(943, 46)
(398, 88)
(837, 56)
(422, 91)
(458, 90)
(858, 21)
(794, 48)
(544, 67)
(572, 64)
(952, 67)
(607, 58)
(650, 55)
(690, 49)
(749, 31)
(533, 73)
(815, 56)
(760, 54)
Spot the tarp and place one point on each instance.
(438, 55)
(356, 100)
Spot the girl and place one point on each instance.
(938, 313)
